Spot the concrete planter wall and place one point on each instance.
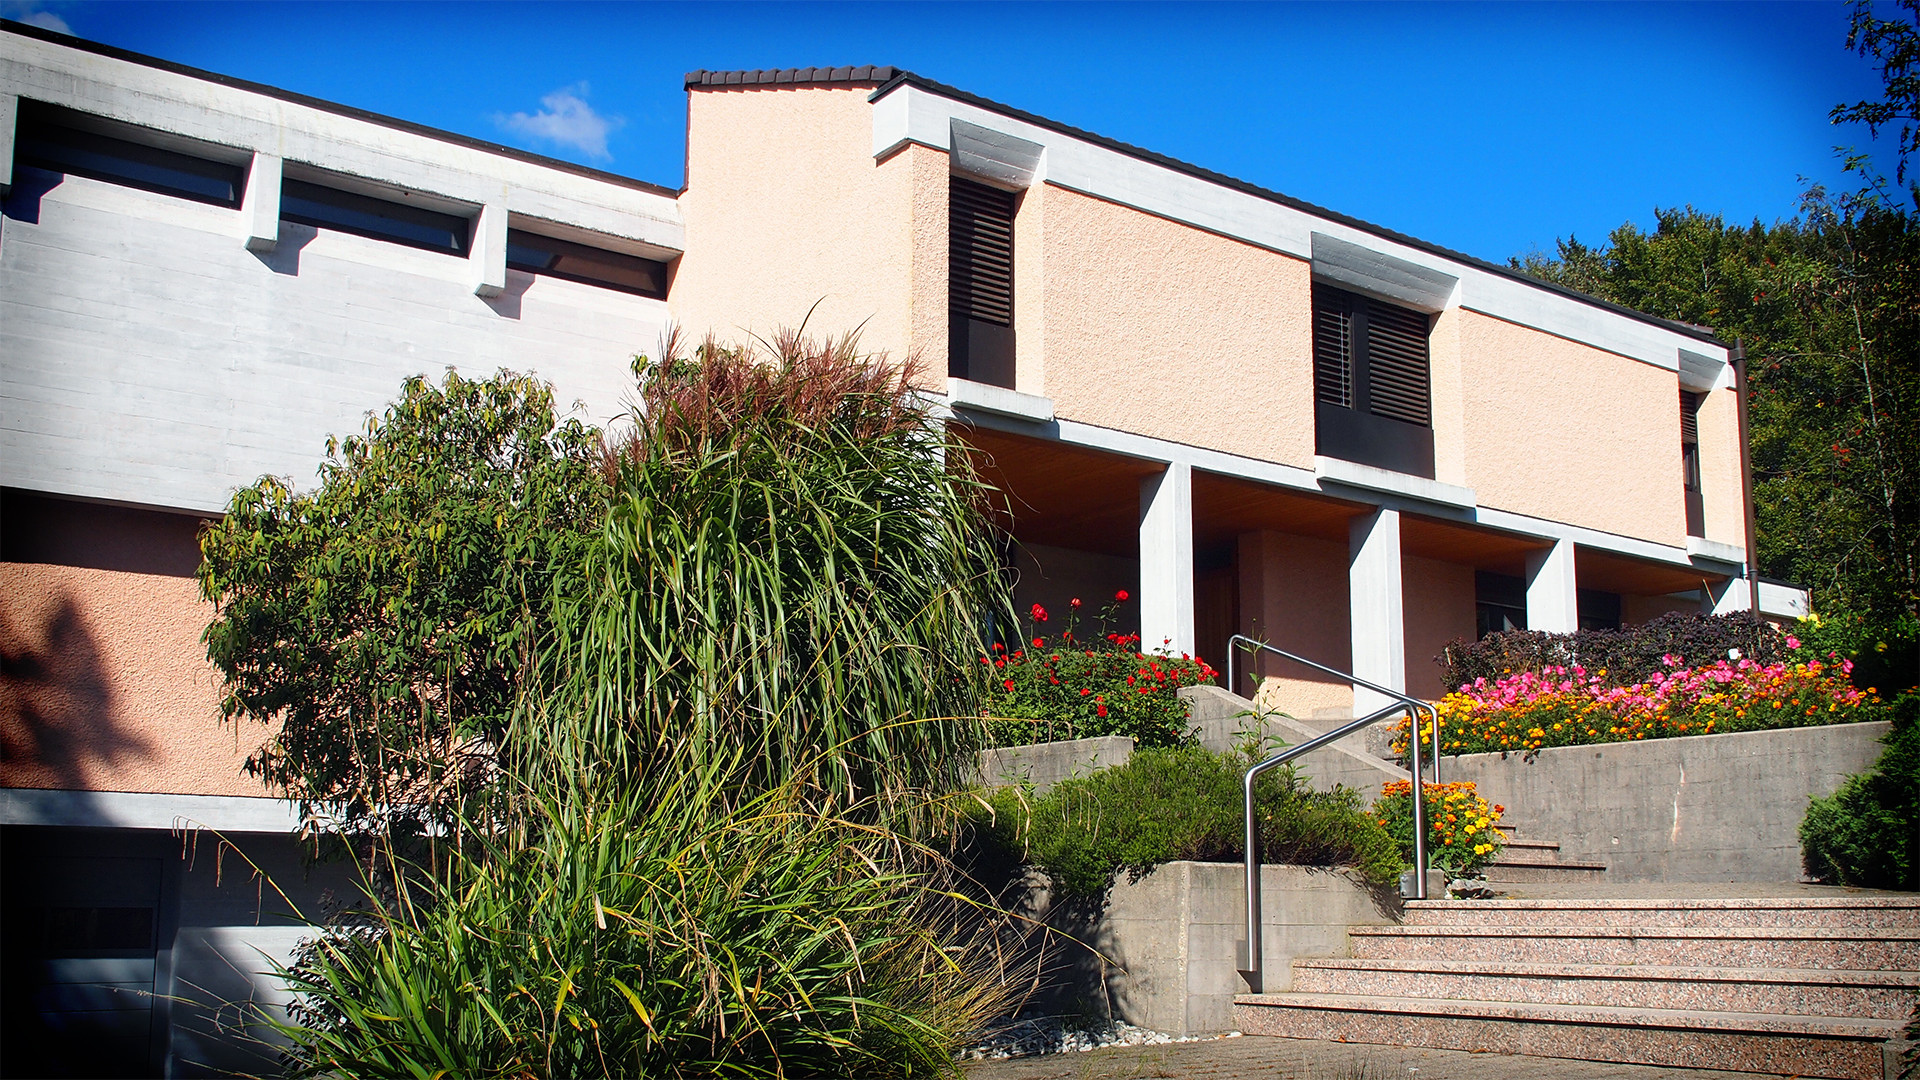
(1170, 944)
(1697, 808)
(1046, 764)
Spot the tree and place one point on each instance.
(386, 621)
(1896, 45)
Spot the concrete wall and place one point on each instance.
(1568, 432)
(786, 208)
(1224, 721)
(108, 688)
(1293, 594)
(1043, 765)
(1166, 949)
(1439, 606)
(1702, 808)
(1162, 329)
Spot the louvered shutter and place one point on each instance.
(1689, 417)
(980, 253)
(1332, 348)
(1397, 364)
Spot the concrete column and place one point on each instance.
(1553, 600)
(1726, 597)
(489, 255)
(9, 114)
(261, 202)
(1166, 560)
(1379, 621)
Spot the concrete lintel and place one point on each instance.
(261, 203)
(1166, 560)
(1368, 477)
(981, 397)
(1553, 595)
(488, 258)
(1379, 624)
(143, 810)
(9, 114)
(1701, 549)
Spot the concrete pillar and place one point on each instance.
(1726, 597)
(1553, 600)
(1166, 560)
(1379, 621)
(489, 255)
(9, 116)
(261, 202)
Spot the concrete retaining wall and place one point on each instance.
(1046, 764)
(1700, 808)
(1169, 945)
(1222, 721)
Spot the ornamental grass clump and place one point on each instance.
(1074, 686)
(1461, 838)
(1528, 711)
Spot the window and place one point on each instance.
(1500, 602)
(980, 283)
(577, 262)
(1371, 382)
(381, 219)
(65, 142)
(1690, 461)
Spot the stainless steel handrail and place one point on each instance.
(1254, 973)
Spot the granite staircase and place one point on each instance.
(1809, 986)
(1524, 861)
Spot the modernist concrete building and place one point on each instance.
(1257, 415)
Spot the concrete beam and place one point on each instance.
(1166, 560)
(1378, 611)
(261, 203)
(489, 255)
(9, 114)
(1553, 598)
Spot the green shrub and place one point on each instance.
(1179, 803)
(1079, 687)
(670, 931)
(1865, 833)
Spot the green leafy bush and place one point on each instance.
(1178, 803)
(669, 931)
(1628, 655)
(1865, 833)
(1070, 687)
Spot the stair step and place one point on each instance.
(1524, 871)
(1530, 845)
(1885, 995)
(1844, 1048)
(1866, 912)
(1826, 948)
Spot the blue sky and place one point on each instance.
(1490, 128)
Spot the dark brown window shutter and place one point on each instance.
(980, 252)
(1332, 348)
(1397, 364)
(1689, 416)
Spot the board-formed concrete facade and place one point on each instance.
(1157, 430)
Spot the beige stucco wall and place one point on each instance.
(1720, 489)
(785, 207)
(107, 688)
(1449, 398)
(1563, 431)
(1437, 599)
(1162, 329)
(1293, 595)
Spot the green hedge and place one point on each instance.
(1864, 834)
(1176, 803)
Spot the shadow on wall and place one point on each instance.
(59, 720)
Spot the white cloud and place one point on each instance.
(565, 119)
(33, 14)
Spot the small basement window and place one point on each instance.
(379, 219)
(57, 140)
(549, 257)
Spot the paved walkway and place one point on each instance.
(1249, 1057)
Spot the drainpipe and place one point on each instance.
(1738, 357)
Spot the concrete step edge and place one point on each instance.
(1545, 864)
(1706, 933)
(1654, 902)
(1763, 1024)
(1647, 972)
